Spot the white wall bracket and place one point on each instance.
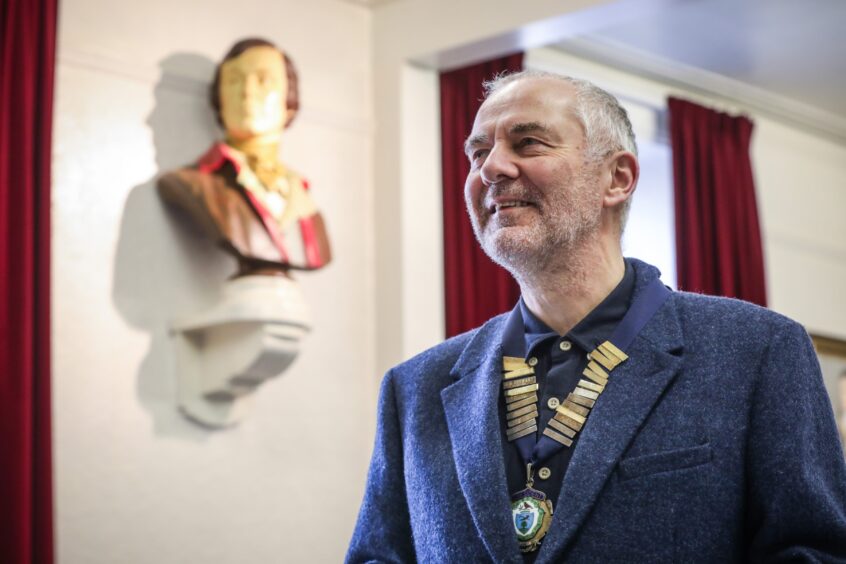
(225, 353)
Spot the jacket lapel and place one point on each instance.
(471, 405)
(633, 389)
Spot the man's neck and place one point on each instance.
(565, 293)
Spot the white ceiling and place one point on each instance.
(791, 49)
(784, 57)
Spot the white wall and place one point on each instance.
(801, 185)
(135, 482)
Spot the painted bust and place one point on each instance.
(240, 193)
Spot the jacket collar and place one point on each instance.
(471, 405)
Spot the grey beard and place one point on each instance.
(524, 257)
(566, 222)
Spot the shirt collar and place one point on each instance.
(596, 326)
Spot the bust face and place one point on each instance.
(253, 90)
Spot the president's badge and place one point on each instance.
(531, 514)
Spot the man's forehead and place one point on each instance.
(533, 99)
(531, 91)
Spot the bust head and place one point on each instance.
(255, 90)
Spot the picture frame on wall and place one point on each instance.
(832, 355)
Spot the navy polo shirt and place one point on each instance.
(560, 362)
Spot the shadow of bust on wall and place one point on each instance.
(163, 266)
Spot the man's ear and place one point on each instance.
(623, 171)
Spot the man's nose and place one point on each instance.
(499, 165)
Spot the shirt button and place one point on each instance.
(532, 361)
(565, 345)
(553, 403)
(544, 473)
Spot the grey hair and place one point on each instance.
(605, 121)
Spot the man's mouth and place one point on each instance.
(507, 204)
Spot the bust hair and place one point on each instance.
(292, 99)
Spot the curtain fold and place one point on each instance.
(27, 53)
(475, 288)
(718, 237)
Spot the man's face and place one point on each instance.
(253, 89)
(530, 194)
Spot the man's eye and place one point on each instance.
(479, 154)
(528, 141)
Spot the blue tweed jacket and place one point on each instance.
(714, 442)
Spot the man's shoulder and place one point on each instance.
(700, 313)
(703, 310)
(438, 361)
(444, 354)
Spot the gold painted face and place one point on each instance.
(253, 89)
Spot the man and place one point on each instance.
(240, 193)
(605, 418)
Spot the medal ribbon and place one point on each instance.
(608, 355)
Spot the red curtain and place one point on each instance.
(718, 239)
(27, 52)
(476, 289)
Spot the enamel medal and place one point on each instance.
(531, 515)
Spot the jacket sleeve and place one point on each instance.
(795, 463)
(383, 530)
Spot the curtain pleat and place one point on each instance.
(27, 53)
(718, 237)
